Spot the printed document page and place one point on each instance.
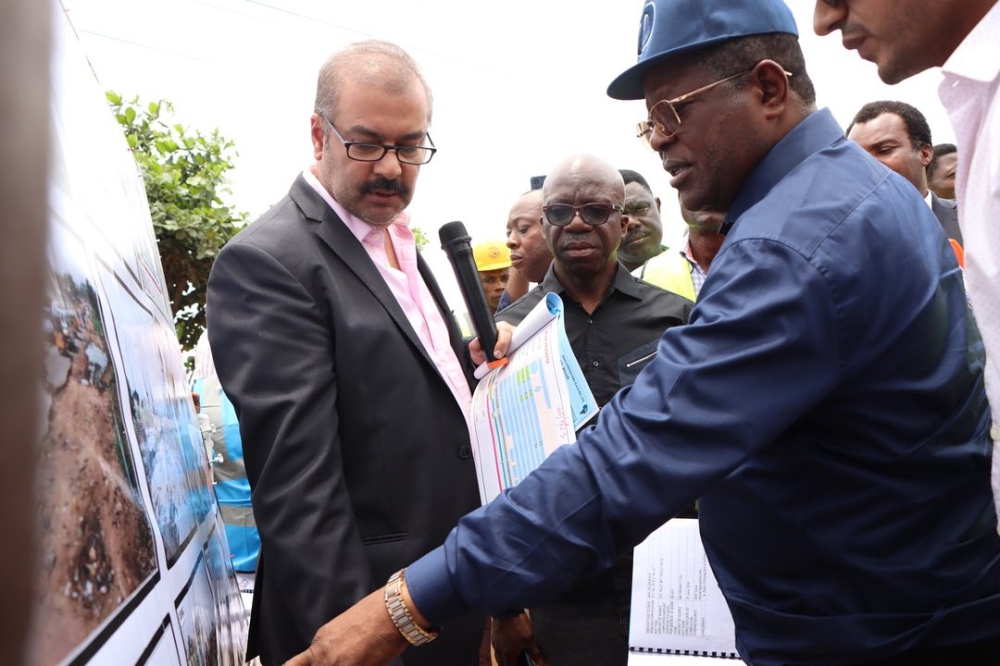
(677, 606)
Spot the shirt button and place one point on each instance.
(464, 451)
(590, 321)
(595, 364)
(995, 433)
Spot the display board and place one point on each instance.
(132, 562)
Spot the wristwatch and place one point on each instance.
(400, 614)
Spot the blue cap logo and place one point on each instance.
(646, 26)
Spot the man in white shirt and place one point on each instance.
(904, 37)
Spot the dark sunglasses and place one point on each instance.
(594, 214)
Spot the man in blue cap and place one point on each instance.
(825, 402)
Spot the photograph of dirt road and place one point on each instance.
(96, 543)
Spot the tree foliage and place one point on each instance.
(419, 237)
(185, 174)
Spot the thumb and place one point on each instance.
(302, 659)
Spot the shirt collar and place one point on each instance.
(978, 56)
(358, 227)
(816, 132)
(624, 282)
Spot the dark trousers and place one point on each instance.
(588, 624)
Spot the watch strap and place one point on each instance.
(400, 614)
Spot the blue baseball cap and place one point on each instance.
(671, 27)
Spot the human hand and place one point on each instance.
(504, 333)
(485, 654)
(363, 635)
(513, 636)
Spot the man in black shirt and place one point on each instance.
(614, 322)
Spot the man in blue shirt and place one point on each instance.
(825, 402)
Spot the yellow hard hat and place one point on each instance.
(491, 255)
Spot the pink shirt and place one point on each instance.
(971, 94)
(408, 287)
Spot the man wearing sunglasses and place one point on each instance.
(825, 401)
(345, 366)
(613, 321)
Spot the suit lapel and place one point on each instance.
(454, 334)
(335, 234)
(947, 216)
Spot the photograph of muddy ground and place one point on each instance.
(196, 615)
(96, 544)
(159, 402)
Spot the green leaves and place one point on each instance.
(185, 177)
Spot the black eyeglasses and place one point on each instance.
(373, 152)
(669, 121)
(594, 214)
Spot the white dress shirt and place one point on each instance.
(971, 95)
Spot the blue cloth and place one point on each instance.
(826, 402)
(232, 489)
(504, 302)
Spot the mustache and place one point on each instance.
(382, 184)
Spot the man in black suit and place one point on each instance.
(345, 366)
(898, 136)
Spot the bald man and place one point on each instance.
(614, 321)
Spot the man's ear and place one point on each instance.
(926, 155)
(773, 86)
(317, 131)
(657, 200)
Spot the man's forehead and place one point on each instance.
(885, 126)
(529, 205)
(672, 78)
(582, 183)
(635, 190)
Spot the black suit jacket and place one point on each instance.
(356, 450)
(946, 211)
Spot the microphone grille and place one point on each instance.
(451, 232)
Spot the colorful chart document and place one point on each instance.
(524, 410)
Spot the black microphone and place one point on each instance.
(457, 244)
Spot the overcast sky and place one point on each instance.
(518, 85)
